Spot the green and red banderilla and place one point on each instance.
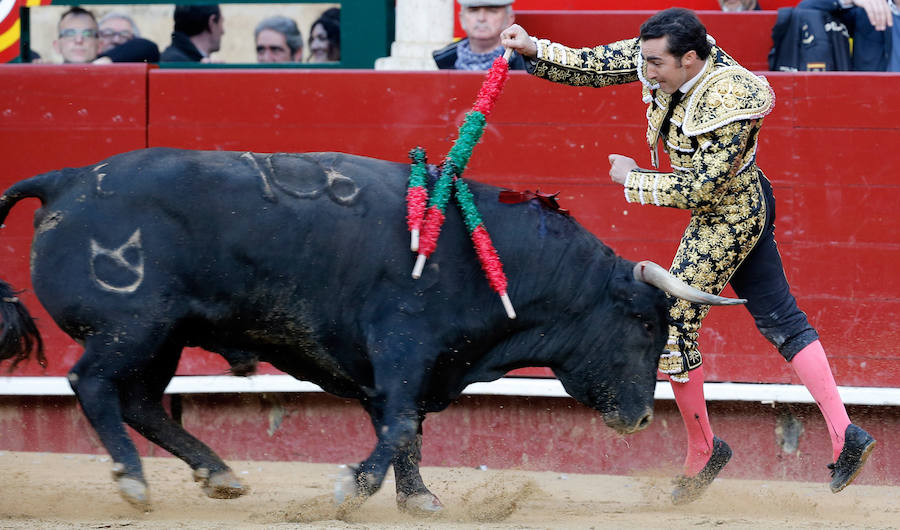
(425, 225)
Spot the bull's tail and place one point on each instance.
(19, 336)
(39, 187)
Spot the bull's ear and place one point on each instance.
(623, 288)
(649, 272)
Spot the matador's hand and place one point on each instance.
(619, 166)
(517, 39)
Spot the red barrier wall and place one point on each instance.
(745, 36)
(500, 432)
(53, 117)
(822, 147)
(524, 9)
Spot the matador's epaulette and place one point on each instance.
(726, 95)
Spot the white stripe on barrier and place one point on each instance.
(507, 386)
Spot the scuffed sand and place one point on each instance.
(63, 491)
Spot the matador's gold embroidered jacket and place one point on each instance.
(711, 142)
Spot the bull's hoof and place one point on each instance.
(419, 504)
(131, 489)
(348, 495)
(135, 492)
(219, 485)
(345, 487)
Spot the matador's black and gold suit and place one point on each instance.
(710, 134)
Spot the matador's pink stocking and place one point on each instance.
(692, 405)
(811, 365)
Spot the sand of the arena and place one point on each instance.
(62, 491)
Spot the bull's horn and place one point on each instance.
(649, 272)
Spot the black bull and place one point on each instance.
(303, 261)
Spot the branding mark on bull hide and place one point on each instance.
(118, 259)
(309, 177)
(267, 192)
(342, 188)
(100, 190)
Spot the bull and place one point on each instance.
(302, 261)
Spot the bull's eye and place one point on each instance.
(647, 324)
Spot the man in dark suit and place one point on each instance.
(874, 26)
(198, 33)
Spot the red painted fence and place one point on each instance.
(823, 148)
(746, 36)
(826, 148)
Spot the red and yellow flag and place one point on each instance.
(10, 27)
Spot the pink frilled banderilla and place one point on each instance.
(425, 224)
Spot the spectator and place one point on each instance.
(809, 40)
(120, 41)
(278, 40)
(77, 32)
(733, 6)
(482, 20)
(874, 26)
(325, 37)
(116, 28)
(198, 33)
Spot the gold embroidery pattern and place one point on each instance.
(704, 178)
(715, 176)
(712, 144)
(610, 64)
(711, 249)
(728, 94)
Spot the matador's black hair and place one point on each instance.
(684, 30)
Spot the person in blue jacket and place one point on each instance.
(874, 26)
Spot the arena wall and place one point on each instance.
(823, 147)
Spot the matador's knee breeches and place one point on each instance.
(711, 249)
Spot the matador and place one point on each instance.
(705, 110)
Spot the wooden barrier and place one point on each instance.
(821, 147)
(745, 36)
(53, 117)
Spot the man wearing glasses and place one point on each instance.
(77, 32)
(121, 42)
(116, 28)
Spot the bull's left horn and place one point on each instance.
(649, 272)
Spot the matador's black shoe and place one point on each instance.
(857, 446)
(689, 489)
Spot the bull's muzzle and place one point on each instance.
(615, 421)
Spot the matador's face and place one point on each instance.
(664, 68)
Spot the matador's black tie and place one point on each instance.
(664, 127)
